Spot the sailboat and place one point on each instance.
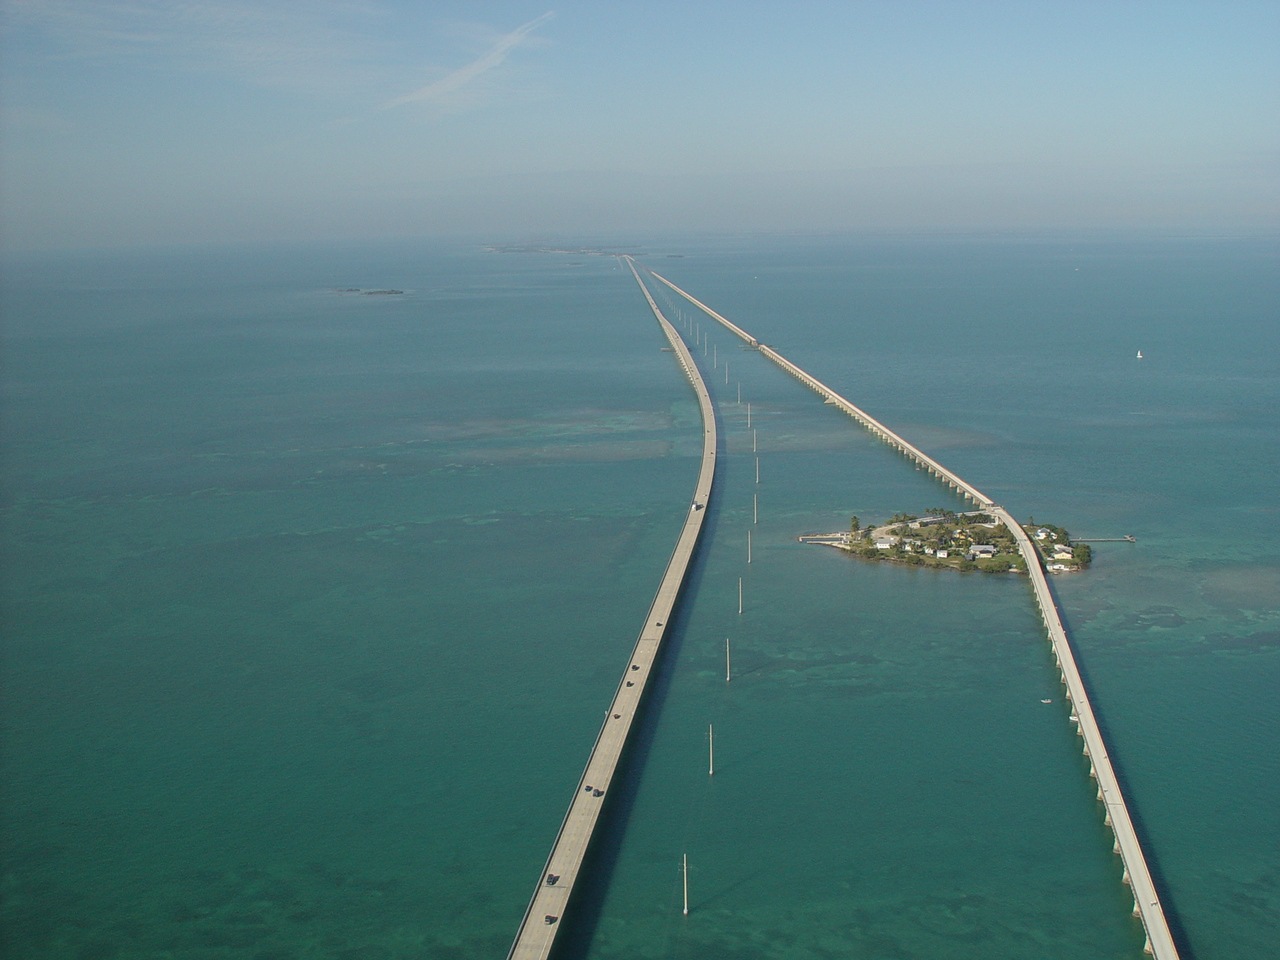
(1139, 354)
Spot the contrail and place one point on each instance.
(464, 75)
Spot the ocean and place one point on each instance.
(314, 598)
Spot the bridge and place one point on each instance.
(1146, 900)
(551, 896)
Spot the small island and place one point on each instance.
(962, 541)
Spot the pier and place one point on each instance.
(1146, 901)
(542, 918)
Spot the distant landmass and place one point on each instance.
(539, 248)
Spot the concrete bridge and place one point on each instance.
(1146, 906)
(542, 918)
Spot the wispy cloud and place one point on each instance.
(313, 44)
(459, 78)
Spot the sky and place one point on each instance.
(165, 122)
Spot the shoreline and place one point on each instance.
(906, 560)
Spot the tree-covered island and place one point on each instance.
(962, 541)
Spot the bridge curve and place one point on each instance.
(541, 922)
(1146, 900)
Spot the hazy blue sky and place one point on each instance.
(158, 121)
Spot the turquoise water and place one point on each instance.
(314, 599)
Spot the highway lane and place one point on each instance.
(553, 892)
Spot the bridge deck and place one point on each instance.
(542, 918)
(1146, 907)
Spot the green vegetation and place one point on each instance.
(1058, 534)
(939, 538)
(962, 541)
(1055, 546)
